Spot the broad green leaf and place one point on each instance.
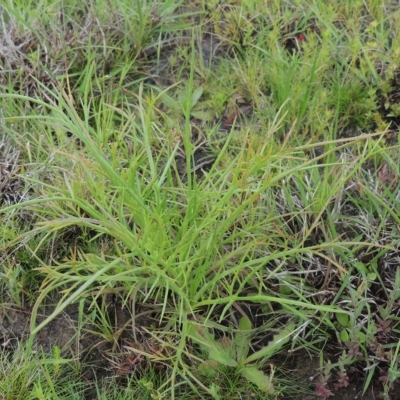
(254, 375)
(183, 96)
(208, 368)
(344, 336)
(227, 346)
(223, 358)
(170, 102)
(372, 329)
(205, 116)
(201, 335)
(284, 289)
(276, 343)
(343, 319)
(361, 267)
(242, 339)
(196, 95)
(372, 276)
(214, 389)
(242, 346)
(245, 324)
(361, 337)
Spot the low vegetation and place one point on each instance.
(199, 201)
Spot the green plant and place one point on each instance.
(26, 375)
(105, 104)
(234, 352)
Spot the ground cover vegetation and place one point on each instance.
(199, 199)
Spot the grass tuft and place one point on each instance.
(212, 187)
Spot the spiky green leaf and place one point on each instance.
(254, 375)
(274, 345)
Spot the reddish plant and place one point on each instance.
(322, 391)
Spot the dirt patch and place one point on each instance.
(69, 331)
(304, 370)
